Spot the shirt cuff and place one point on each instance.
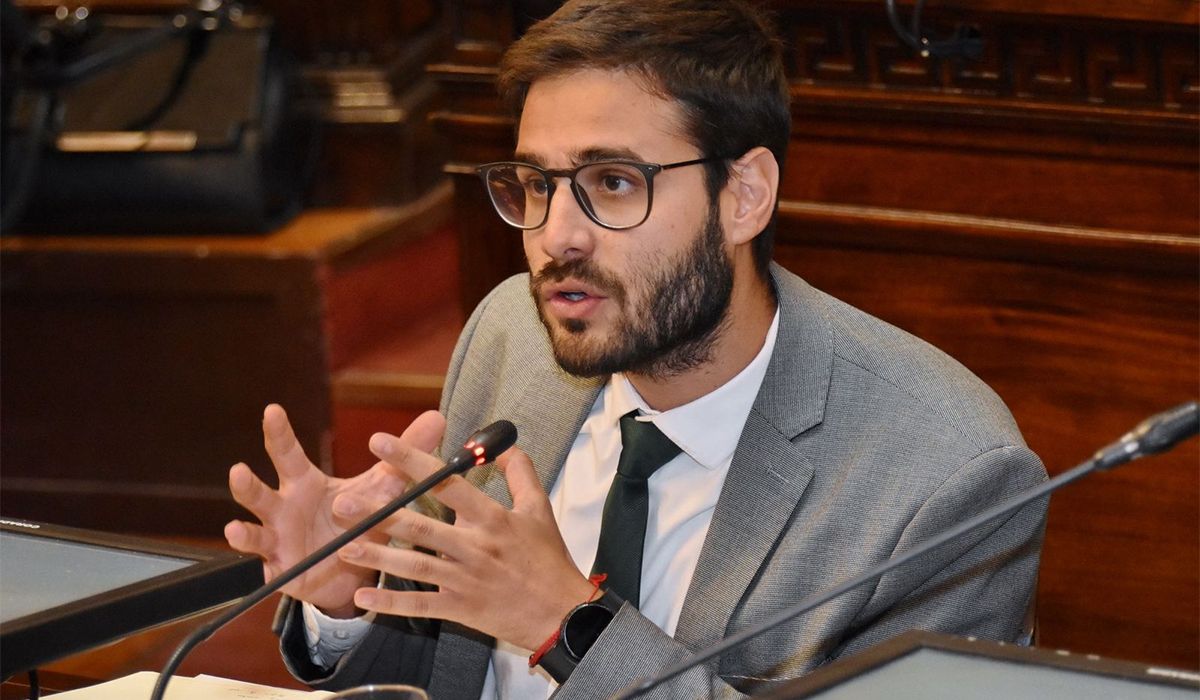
(329, 638)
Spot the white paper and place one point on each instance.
(141, 685)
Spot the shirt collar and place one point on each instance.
(708, 428)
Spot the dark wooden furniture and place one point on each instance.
(360, 67)
(156, 354)
(1033, 213)
(134, 370)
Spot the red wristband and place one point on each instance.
(547, 645)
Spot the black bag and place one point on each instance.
(199, 134)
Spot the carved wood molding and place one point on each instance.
(1097, 74)
(1118, 68)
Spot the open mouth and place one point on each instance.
(571, 292)
(572, 299)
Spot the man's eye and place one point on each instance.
(536, 186)
(615, 183)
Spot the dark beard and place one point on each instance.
(675, 326)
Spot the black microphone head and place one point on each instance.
(1156, 434)
(1161, 432)
(484, 446)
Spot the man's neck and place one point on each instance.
(751, 311)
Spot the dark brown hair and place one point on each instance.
(718, 59)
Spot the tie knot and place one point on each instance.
(644, 448)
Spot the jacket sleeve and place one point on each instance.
(631, 649)
(395, 650)
(980, 584)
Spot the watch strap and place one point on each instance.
(579, 630)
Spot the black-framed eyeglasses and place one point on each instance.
(616, 194)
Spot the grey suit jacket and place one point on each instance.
(862, 442)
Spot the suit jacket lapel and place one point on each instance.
(768, 473)
(548, 416)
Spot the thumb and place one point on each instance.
(523, 483)
(424, 433)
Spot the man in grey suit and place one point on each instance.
(806, 440)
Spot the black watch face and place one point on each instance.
(584, 627)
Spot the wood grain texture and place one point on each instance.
(1080, 358)
(135, 370)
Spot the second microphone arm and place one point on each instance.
(1153, 435)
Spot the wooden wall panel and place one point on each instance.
(131, 382)
(1034, 213)
(954, 178)
(134, 370)
(1080, 353)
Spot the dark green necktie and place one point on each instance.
(623, 530)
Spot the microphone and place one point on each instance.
(1156, 434)
(481, 448)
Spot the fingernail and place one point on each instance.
(364, 597)
(352, 550)
(346, 505)
(381, 445)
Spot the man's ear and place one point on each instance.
(750, 195)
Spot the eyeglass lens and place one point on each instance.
(613, 194)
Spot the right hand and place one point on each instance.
(299, 517)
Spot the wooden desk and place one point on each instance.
(245, 650)
(135, 369)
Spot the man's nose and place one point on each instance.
(568, 232)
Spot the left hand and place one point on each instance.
(506, 573)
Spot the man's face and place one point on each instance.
(651, 299)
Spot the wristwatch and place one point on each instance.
(579, 631)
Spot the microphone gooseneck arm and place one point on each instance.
(480, 448)
(1154, 435)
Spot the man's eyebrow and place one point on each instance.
(531, 158)
(587, 155)
(591, 155)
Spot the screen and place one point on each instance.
(933, 674)
(63, 589)
(39, 573)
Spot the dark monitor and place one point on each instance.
(921, 665)
(64, 590)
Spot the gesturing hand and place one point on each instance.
(298, 518)
(506, 573)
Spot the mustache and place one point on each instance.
(582, 269)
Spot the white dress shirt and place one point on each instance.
(683, 494)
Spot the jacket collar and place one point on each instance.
(769, 473)
(794, 392)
